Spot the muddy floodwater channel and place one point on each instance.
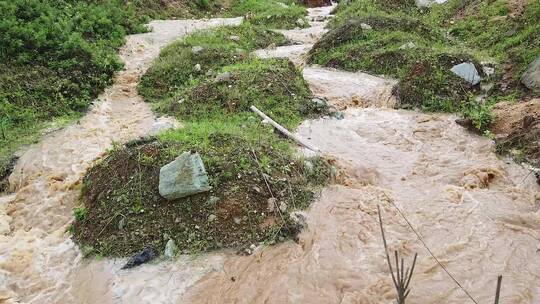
(478, 213)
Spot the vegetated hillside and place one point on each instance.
(56, 56)
(419, 46)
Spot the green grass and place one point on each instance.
(55, 57)
(270, 13)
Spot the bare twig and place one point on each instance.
(402, 278)
(498, 292)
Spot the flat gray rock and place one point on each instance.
(531, 77)
(183, 177)
(467, 71)
(428, 3)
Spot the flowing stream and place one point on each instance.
(478, 213)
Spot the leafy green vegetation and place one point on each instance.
(270, 13)
(419, 46)
(55, 57)
(256, 177)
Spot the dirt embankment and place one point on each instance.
(517, 129)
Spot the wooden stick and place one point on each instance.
(498, 291)
(281, 129)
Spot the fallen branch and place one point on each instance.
(284, 131)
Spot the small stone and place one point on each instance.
(365, 26)
(122, 223)
(271, 204)
(223, 77)
(301, 22)
(319, 103)
(237, 220)
(197, 49)
(257, 189)
(212, 217)
(337, 115)
(170, 249)
(197, 67)
(177, 220)
(212, 200)
(234, 38)
(409, 45)
(282, 207)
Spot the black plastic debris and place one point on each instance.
(144, 256)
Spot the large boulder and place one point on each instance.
(183, 177)
(531, 77)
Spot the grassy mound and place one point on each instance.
(211, 50)
(270, 13)
(257, 179)
(125, 214)
(418, 47)
(274, 86)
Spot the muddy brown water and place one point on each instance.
(477, 212)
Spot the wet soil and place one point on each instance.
(517, 130)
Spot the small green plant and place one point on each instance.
(79, 213)
(479, 112)
(203, 3)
